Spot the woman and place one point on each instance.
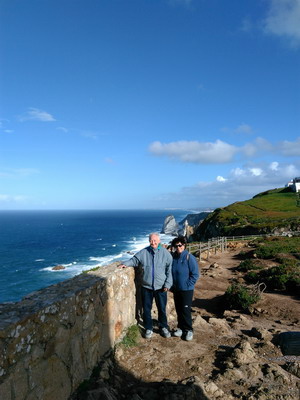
(185, 273)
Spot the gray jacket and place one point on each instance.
(157, 267)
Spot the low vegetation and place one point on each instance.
(240, 297)
(265, 213)
(132, 337)
(280, 273)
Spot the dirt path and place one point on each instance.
(176, 360)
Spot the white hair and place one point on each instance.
(153, 234)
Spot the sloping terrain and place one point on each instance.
(273, 211)
(234, 355)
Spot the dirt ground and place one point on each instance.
(174, 359)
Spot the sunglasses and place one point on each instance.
(178, 245)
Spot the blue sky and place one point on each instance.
(147, 103)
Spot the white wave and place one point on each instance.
(39, 260)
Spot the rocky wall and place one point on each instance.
(52, 339)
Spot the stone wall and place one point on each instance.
(51, 340)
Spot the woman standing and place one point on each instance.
(185, 273)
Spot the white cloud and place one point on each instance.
(34, 114)
(90, 135)
(243, 128)
(274, 166)
(256, 171)
(6, 198)
(283, 20)
(238, 172)
(290, 148)
(195, 152)
(241, 184)
(221, 179)
(61, 128)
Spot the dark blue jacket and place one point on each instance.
(185, 271)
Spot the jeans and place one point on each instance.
(160, 297)
(183, 302)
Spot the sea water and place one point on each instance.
(33, 242)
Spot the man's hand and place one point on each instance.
(122, 266)
(166, 289)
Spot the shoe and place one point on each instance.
(178, 332)
(148, 334)
(189, 335)
(165, 332)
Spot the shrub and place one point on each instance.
(248, 265)
(240, 297)
(285, 277)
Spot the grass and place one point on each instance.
(276, 246)
(263, 213)
(89, 270)
(132, 337)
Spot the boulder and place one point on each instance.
(58, 268)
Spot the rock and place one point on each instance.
(242, 354)
(293, 368)
(58, 268)
(260, 333)
(220, 325)
(170, 226)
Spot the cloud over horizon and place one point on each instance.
(240, 184)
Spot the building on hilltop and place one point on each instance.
(294, 184)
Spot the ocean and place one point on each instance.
(33, 242)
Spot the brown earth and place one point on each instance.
(233, 354)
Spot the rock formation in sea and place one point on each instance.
(170, 226)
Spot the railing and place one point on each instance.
(206, 248)
(220, 244)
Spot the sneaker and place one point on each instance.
(189, 335)
(148, 334)
(165, 332)
(178, 332)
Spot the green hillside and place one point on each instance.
(268, 212)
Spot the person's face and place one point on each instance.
(179, 247)
(154, 241)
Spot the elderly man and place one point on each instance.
(157, 280)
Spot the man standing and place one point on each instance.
(157, 280)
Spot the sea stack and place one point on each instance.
(170, 226)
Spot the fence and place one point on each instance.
(206, 248)
(220, 243)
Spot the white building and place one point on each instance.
(294, 184)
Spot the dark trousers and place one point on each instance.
(183, 303)
(161, 301)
